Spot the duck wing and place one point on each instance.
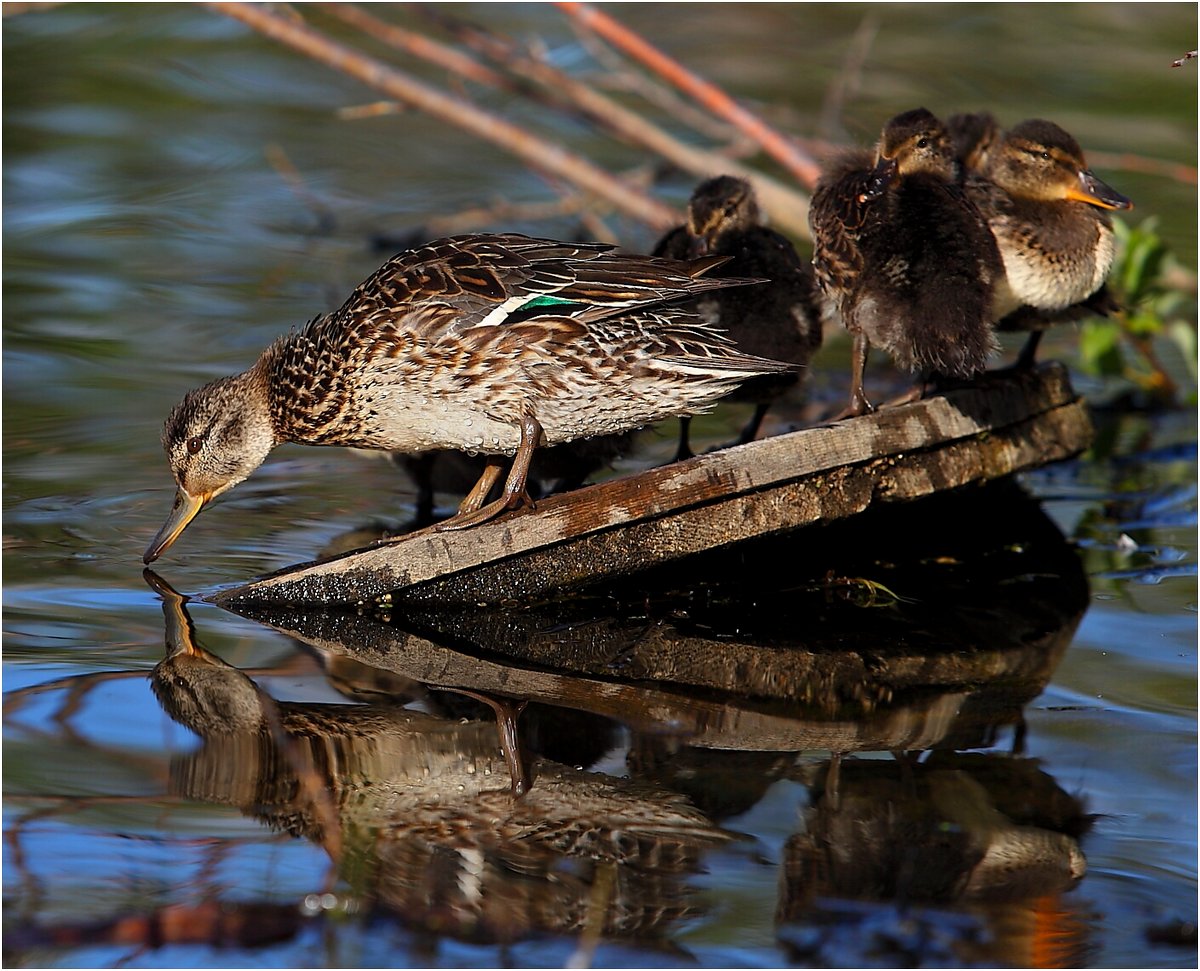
(504, 279)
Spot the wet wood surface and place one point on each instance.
(1005, 423)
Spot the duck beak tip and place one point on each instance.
(186, 508)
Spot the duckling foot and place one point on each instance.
(1027, 358)
(750, 432)
(685, 449)
(859, 405)
(915, 393)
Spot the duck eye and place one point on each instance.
(1045, 156)
(922, 143)
(194, 444)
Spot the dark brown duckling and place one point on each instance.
(778, 318)
(904, 257)
(1050, 217)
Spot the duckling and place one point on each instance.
(480, 343)
(1050, 217)
(904, 257)
(777, 319)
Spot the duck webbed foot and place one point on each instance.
(472, 512)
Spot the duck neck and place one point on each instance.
(308, 386)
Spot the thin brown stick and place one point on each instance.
(417, 45)
(1126, 162)
(788, 209)
(15, 9)
(797, 162)
(537, 152)
(616, 74)
(848, 79)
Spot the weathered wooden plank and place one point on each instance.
(985, 595)
(1005, 423)
(974, 692)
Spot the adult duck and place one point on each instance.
(492, 344)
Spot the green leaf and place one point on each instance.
(1144, 324)
(1100, 348)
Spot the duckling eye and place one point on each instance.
(1045, 156)
(194, 444)
(922, 143)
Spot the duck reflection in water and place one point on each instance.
(422, 798)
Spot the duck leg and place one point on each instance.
(685, 449)
(750, 432)
(479, 491)
(514, 494)
(520, 766)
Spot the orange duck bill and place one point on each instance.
(186, 508)
(1096, 193)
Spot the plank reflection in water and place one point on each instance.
(927, 628)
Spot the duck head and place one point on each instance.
(719, 206)
(913, 142)
(214, 438)
(1039, 160)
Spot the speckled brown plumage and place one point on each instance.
(905, 259)
(777, 319)
(491, 344)
(1049, 215)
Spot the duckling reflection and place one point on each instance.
(933, 833)
(985, 830)
(423, 807)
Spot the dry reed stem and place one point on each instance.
(788, 208)
(783, 151)
(537, 152)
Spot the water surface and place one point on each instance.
(153, 241)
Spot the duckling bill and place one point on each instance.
(491, 344)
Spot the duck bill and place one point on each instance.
(186, 508)
(1096, 193)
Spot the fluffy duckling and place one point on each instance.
(493, 344)
(904, 257)
(778, 318)
(1050, 217)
